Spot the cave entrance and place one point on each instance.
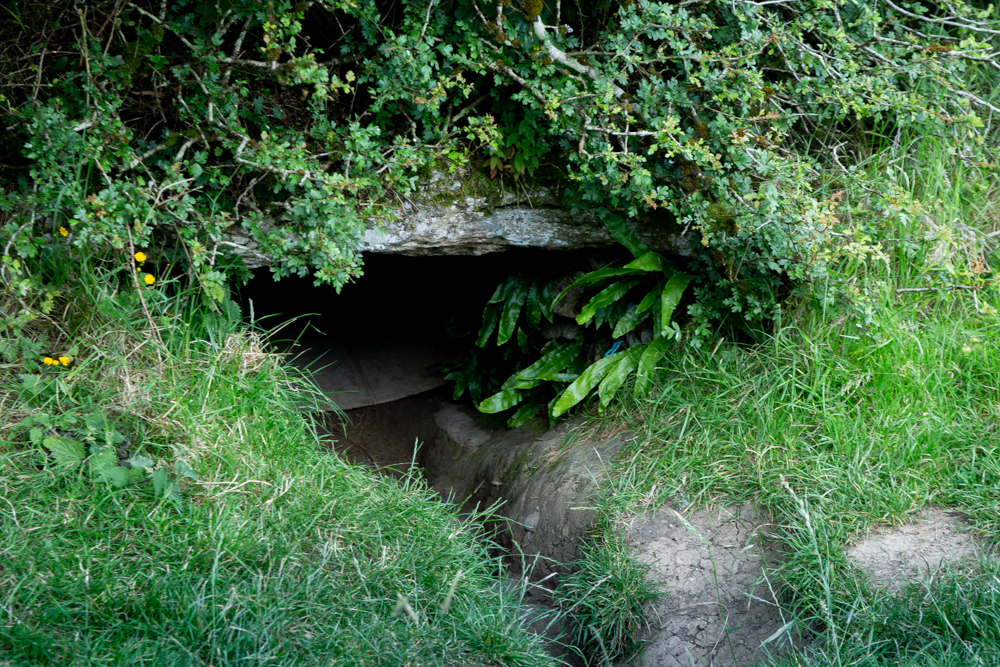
(379, 349)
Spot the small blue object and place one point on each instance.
(614, 348)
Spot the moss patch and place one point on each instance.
(472, 184)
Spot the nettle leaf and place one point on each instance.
(160, 481)
(117, 476)
(141, 462)
(632, 318)
(104, 459)
(672, 293)
(613, 380)
(604, 298)
(167, 489)
(66, 452)
(184, 470)
(581, 387)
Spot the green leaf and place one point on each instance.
(545, 298)
(578, 390)
(141, 461)
(95, 421)
(632, 318)
(605, 297)
(490, 318)
(534, 311)
(647, 364)
(511, 311)
(103, 460)
(555, 358)
(160, 481)
(184, 470)
(616, 225)
(525, 378)
(503, 290)
(599, 275)
(613, 380)
(503, 400)
(65, 451)
(523, 342)
(671, 296)
(523, 413)
(651, 262)
(116, 476)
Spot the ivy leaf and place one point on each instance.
(672, 293)
(605, 297)
(580, 387)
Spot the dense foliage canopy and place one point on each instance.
(195, 125)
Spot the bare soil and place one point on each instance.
(718, 607)
(893, 556)
(389, 437)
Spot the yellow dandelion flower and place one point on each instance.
(64, 361)
(48, 361)
(140, 257)
(149, 279)
(64, 231)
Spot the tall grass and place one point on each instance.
(838, 424)
(274, 551)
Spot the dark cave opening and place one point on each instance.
(379, 349)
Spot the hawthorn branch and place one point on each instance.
(954, 24)
(163, 23)
(626, 133)
(236, 49)
(559, 56)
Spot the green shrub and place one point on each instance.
(210, 136)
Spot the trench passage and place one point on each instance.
(377, 349)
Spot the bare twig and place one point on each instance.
(954, 24)
(427, 19)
